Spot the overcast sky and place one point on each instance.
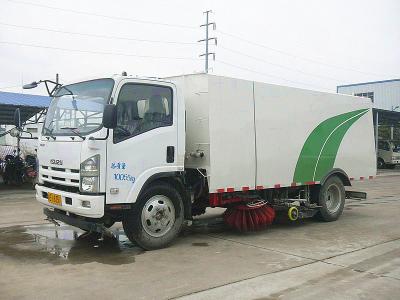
(308, 44)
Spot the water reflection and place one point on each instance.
(65, 244)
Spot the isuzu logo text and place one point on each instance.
(56, 162)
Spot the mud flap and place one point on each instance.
(356, 195)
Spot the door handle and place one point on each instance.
(170, 154)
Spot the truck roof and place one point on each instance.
(169, 80)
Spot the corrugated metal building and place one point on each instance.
(385, 94)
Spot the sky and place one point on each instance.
(309, 44)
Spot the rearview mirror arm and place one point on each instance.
(56, 86)
(101, 139)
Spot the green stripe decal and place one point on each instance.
(319, 151)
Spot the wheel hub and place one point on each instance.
(333, 198)
(158, 215)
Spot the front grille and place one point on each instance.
(60, 178)
(65, 188)
(58, 169)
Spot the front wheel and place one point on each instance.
(156, 219)
(332, 196)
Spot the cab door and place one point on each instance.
(144, 143)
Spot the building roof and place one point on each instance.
(29, 106)
(19, 99)
(365, 83)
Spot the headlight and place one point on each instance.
(90, 184)
(90, 172)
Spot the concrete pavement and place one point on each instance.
(356, 257)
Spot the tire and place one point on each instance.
(380, 163)
(332, 196)
(108, 224)
(156, 219)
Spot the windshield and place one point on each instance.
(78, 107)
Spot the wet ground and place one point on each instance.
(63, 244)
(357, 257)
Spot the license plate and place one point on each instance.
(54, 198)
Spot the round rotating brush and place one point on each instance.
(249, 217)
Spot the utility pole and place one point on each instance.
(207, 39)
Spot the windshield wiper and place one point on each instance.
(74, 130)
(50, 133)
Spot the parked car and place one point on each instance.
(388, 154)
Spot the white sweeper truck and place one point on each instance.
(153, 153)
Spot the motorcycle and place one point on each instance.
(13, 169)
(31, 168)
(18, 171)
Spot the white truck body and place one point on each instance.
(253, 133)
(240, 136)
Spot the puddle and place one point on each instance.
(354, 205)
(201, 244)
(65, 245)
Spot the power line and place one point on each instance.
(270, 75)
(297, 56)
(96, 52)
(278, 65)
(103, 16)
(96, 35)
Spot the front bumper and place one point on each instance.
(55, 216)
(72, 202)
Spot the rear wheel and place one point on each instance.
(332, 196)
(156, 219)
(380, 163)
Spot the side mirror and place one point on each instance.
(17, 118)
(14, 132)
(31, 85)
(110, 116)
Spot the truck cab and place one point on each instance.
(388, 154)
(89, 175)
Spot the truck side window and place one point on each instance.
(140, 108)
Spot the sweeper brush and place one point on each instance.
(249, 217)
